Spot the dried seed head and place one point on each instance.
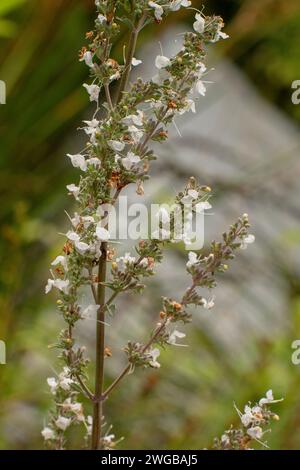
(177, 306)
(107, 352)
(82, 52)
(140, 189)
(68, 248)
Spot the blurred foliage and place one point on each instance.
(190, 401)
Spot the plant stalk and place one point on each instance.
(100, 345)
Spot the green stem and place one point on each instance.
(100, 345)
(129, 56)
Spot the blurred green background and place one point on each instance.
(190, 400)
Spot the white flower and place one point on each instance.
(126, 259)
(48, 433)
(94, 161)
(247, 241)
(220, 34)
(191, 195)
(161, 62)
(268, 399)
(225, 439)
(136, 119)
(200, 88)
(88, 59)
(116, 145)
(91, 125)
(247, 418)
(64, 381)
(90, 311)
(158, 10)
(73, 189)
(255, 433)
(76, 219)
(108, 440)
(60, 260)
(101, 19)
(130, 160)
(136, 133)
(53, 384)
(63, 423)
(75, 408)
(163, 215)
(93, 91)
(95, 249)
(136, 62)
(173, 337)
(145, 263)
(154, 354)
(223, 35)
(189, 106)
(87, 220)
(176, 4)
(208, 304)
(82, 247)
(78, 161)
(201, 69)
(91, 129)
(193, 259)
(59, 284)
(199, 25)
(101, 233)
(115, 76)
(73, 236)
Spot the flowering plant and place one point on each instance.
(118, 154)
(253, 421)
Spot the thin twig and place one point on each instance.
(108, 96)
(129, 56)
(100, 346)
(128, 367)
(85, 388)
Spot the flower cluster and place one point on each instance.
(203, 270)
(68, 409)
(254, 420)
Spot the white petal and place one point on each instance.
(82, 247)
(93, 91)
(136, 62)
(48, 433)
(116, 145)
(63, 423)
(60, 260)
(78, 161)
(162, 62)
(201, 88)
(88, 59)
(73, 236)
(199, 25)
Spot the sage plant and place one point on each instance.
(254, 422)
(117, 154)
